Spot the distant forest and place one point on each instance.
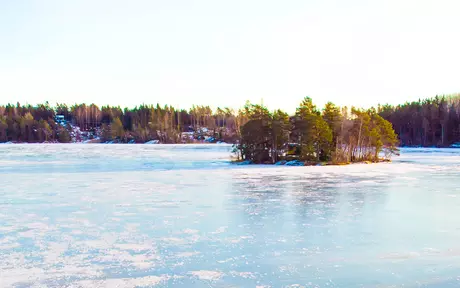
(430, 122)
(45, 123)
(426, 123)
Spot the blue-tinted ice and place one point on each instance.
(183, 216)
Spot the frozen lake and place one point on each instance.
(183, 216)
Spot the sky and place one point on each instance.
(222, 53)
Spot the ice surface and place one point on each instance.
(183, 216)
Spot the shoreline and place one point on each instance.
(299, 163)
(95, 141)
(114, 143)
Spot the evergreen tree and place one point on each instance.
(280, 127)
(3, 129)
(45, 131)
(305, 128)
(256, 141)
(106, 133)
(63, 135)
(333, 118)
(117, 129)
(322, 139)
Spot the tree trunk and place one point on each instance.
(359, 137)
(442, 134)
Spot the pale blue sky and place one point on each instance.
(222, 53)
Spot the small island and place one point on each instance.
(335, 136)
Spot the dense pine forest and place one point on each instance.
(64, 124)
(339, 133)
(426, 123)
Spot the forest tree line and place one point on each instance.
(426, 123)
(28, 123)
(429, 122)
